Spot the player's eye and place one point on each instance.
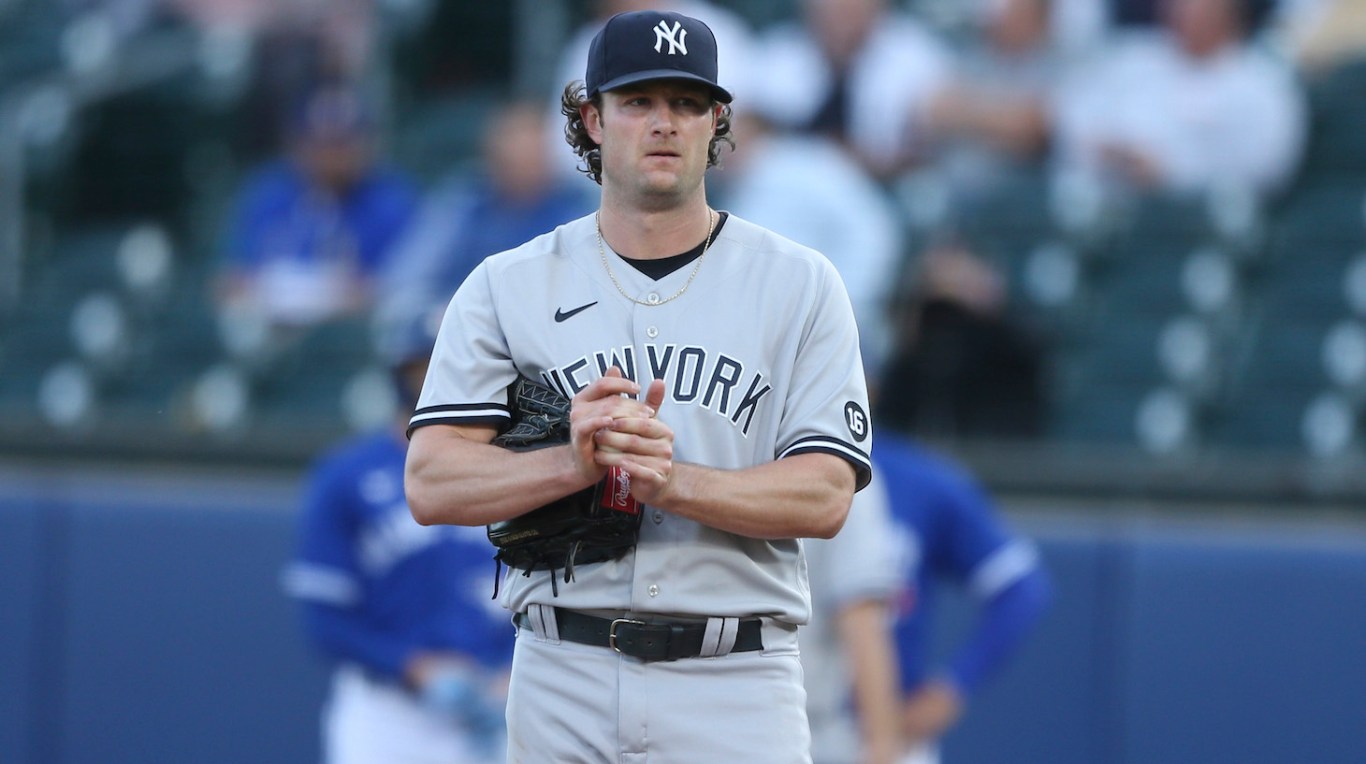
(690, 105)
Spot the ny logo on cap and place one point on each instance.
(675, 37)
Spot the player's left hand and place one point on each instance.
(642, 446)
(931, 710)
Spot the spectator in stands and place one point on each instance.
(859, 71)
(313, 228)
(294, 45)
(1187, 109)
(402, 610)
(964, 366)
(992, 121)
(1077, 25)
(514, 195)
(808, 189)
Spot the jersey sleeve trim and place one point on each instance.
(460, 413)
(863, 466)
(1002, 568)
(318, 583)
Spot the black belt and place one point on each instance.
(646, 641)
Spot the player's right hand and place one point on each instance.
(594, 408)
(931, 710)
(643, 446)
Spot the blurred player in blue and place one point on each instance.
(927, 522)
(953, 533)
(421, 651)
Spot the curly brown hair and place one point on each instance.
(575, 96)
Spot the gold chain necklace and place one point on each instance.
(602, 253)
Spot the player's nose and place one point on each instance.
(662, 119)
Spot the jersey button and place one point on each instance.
(652, 332)
(658, 517)
(653, 590)
(652, 298)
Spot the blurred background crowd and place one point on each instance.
(1127, 228)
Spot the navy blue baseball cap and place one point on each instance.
(652, 45)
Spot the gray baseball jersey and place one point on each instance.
(760, 355)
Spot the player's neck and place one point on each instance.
(652, 234)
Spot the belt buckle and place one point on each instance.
(612, 631)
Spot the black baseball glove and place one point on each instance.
(596, 524)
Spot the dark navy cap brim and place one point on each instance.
(718, 92)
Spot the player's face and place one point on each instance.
(654, 138)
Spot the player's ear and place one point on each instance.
(592, 121)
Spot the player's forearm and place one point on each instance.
(867, 641)
(456, 481)
(1006, 620)
(803, 496)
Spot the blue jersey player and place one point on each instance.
(404, 610)
(953, 533)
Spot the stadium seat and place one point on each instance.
(311, 380)
(1337, 102)
(30, 36)
(1343, 356)
(1192, 357)
(1319, 213)
(1016, 211)
(172, 349)
(1120, 355)
(35, 339)
(1142, 280)
(1102, 415)
(1354, 284)
(440, 136)
(1167, 421)
(1211, 282)
(1308, 285)
(1273, 384)
(1162, 220)
(1054, 282)
(1332, 425)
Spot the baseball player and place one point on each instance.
(953, 533)
(847, 654)
(403, 610)
(941, 527)
(714, 364)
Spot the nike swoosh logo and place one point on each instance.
(561, 315)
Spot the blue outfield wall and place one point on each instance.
(20, 586)
(1183, 641)
(145, 623)
(141, 620)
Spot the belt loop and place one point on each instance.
(543, 623)
(719, 638)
